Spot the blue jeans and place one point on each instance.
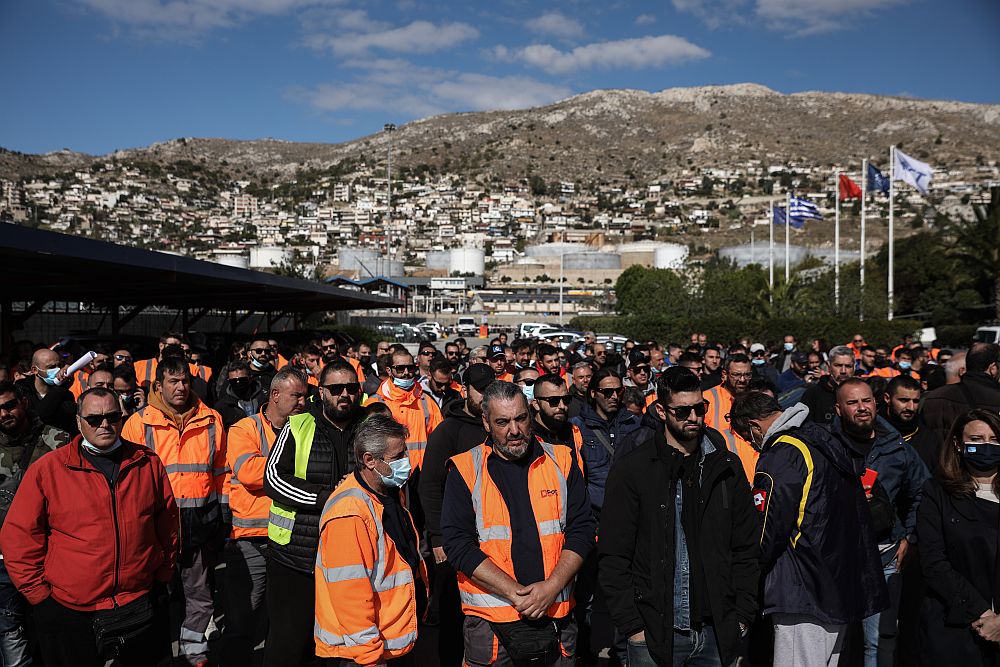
(691, 649)
(881, 629)
(13, 640)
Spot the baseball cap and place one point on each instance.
(480, 376)
(637, 357)
(757, 347)
(800, 357)
(497, 351)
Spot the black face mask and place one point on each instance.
(240, 387)
(366, 360)
(982, 456)
(330, 357)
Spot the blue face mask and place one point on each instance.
(404, 383)
(758, 362)
(49, 377)
(400, 472)
(789, 347)
(904, 365)
(529, 392)
(257, 365)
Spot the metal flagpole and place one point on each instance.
(864, 201)
(770, 254)
(788, 222)
(892, 198)
(561, 256)
(836, 245)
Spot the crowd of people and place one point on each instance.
(659, 503)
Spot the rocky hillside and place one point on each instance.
(612, 135)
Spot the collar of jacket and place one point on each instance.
(155, 417)
(33, 430)
(75, 459)
(394, 394)
(981, 380)
(887, 438)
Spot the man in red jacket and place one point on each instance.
(91, 533)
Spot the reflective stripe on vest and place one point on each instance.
(265, 447)
(149, 434)
(240, 522)
(281, 521)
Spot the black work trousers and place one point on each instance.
(450, 616)
(291, 610)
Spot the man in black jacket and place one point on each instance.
(243, 394)
(821, 397)
(461, 430)
(302, 491)
(818, 554)
(678, 554)
(978, 388)
(48, 392)
(902, 410)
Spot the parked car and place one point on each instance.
(467, 327)
(988, 334)
(430, 330)
(612, 341)
(561, 339)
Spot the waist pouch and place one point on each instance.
(114, 627)
(882, 513)
(529, 643)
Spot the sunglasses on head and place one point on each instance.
(610, 392)
(97, 420)
(9, 405)
(553, 401)
(403, 368)
(682, 412)
(338, 389)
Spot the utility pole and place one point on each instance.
(389, 129)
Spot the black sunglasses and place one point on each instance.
(403, 368)
(640, 369)
(122, 357)
(260, 350)
(553, 401)
(338, 389)
(609, 392)
(527, 382)
(9, 405)
(682, 412)
(97, 420)
(328, 347)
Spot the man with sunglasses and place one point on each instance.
(331, 351)
(439, 383)
(736, 375)
(497, 359)
(23, 440)
(122, 357)
(551, 407)
(112, 496)
(640, 372)
(243, 396)
(678, 539)
(310, 456)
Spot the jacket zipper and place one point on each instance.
(114, 516)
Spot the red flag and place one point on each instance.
(848, 188)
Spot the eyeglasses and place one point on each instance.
(554, 401)
(610, 392)
(695, 369)
(122, 357)
(859, 340)
(741, 376)
(602, 353)
(97, 420)
(405, 368)
(682, 412)
(9, 405)
(338, 389)
(527, 382)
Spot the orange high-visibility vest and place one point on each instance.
(366, 608)
(547, 487)
(247, 445)
(720, 402)
(888, 372)
(145, 371)
(195, 459)
(578, 447)
(414, 410)
(81, 380)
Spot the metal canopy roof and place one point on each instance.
(48, 266)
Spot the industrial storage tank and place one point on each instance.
(367, 262)
(438, 259)
(268, 257)
(827, 256)
(235, 259)
(670, 256)
(592, 260)
(747, 254)
(554, 249)
(467, 260)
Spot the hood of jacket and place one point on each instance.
(791, 418)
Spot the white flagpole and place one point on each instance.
(770, 252)
(836, 244)
(864, 201)
(788, 223)
(892, 198)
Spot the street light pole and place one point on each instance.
(389, 129)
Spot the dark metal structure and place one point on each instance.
(40, 266)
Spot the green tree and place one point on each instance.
(648, 292)
(976, 244)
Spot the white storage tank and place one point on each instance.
(235, 259)
(670, 256)
(747, 254)
(467, 260)
(554, 249)
(268, 257)
(592, 260)
(438, 259)
(360, 260)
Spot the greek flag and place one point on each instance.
(877, 182)
(803, 209)
(916, 173)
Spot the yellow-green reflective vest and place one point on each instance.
(281, 519)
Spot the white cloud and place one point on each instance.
(713, 12)
(190, 18)
(807, 17)
(556, 24)
(425, 91)
(645, 19)
(636, 53)
(353, 34)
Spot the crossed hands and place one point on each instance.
(987, 626)
(533, 600)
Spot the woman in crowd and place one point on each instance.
(957, 527)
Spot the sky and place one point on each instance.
(100, 75)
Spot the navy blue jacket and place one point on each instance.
(818, 552)
(789, 380)
(901, 473)
(596, 458)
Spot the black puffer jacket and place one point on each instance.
(330, 458)
(458, 433)
(943, 405)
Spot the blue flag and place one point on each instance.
(876, 181)
(779, 215)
